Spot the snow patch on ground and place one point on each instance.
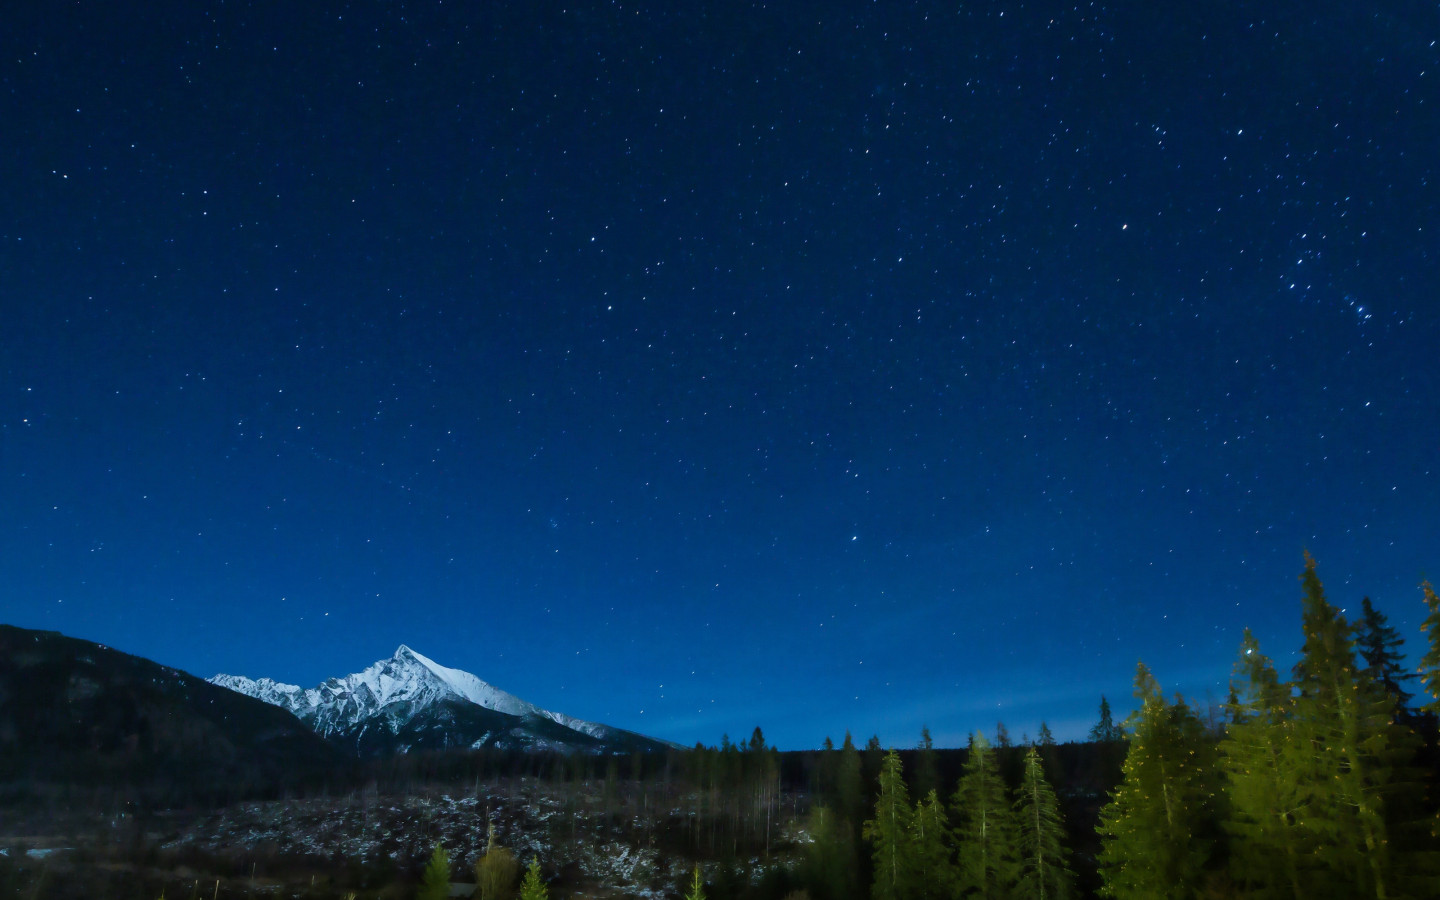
(614, 854)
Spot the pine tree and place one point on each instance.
(1430, 675)
(1379, 645)
(697, 887)
(874, 757)
(829, 867)
(985, 832)
(927, 777)
(1269, 851)
(1043, 870)
(1430, 662)
(1106, 730)
(1049, 755)
(435, 883)
(1349, 752)
(825, 772)
(889, 833)
(533, 887)
(849, 785)
(1044, 738)
(931, 850)
(1156, 830)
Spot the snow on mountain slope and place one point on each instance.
(393, 693)
(273, 692)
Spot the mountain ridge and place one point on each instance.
(74, 712)
(409, 701)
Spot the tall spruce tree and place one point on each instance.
(1157, 828)
(824, 773)
(1043, 737)
(697, 887)
(850, 786)
(985, 830)
(873, 757)
(1043, 869)
(1350, 751)
(435, 882)
(1379, 645)
(1430, 662)
(533, 887)
(889, 832)
(1106, 730)
(927, 776)
(1270, 853)
(1049, 754)
(932, 849)
(1430, 672)
(829, 866)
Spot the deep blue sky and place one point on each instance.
(809, 365)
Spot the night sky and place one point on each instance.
(819, 366)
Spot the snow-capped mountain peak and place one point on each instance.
(465, 685)
(395, 695)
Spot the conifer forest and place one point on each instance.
(1317, 782)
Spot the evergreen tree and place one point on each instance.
(1043, 870)
(1349, 752)
(1044, 738)
(1269, 851)
(697, 887)
(1049, 754)
(850, 786)
(985, 831)
(1430, 662)
(825, 772)
(435, 883)
(1156, 828)
(890, 833)
(828, 868)
(1106, 730)
(931, 851)
(1430, 675)
(874, 757)
(1233, 709)
(1379, 645)
(533, 887)
(927, 777)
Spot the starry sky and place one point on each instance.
(692, 367)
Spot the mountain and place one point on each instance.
(412, 702)
(76, 714)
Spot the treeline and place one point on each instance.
(1319, 786)
(1322, 785)
(1001, 833)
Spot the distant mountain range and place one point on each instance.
(410, 702)
(76, 715)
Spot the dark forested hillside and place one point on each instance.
(78, 718)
